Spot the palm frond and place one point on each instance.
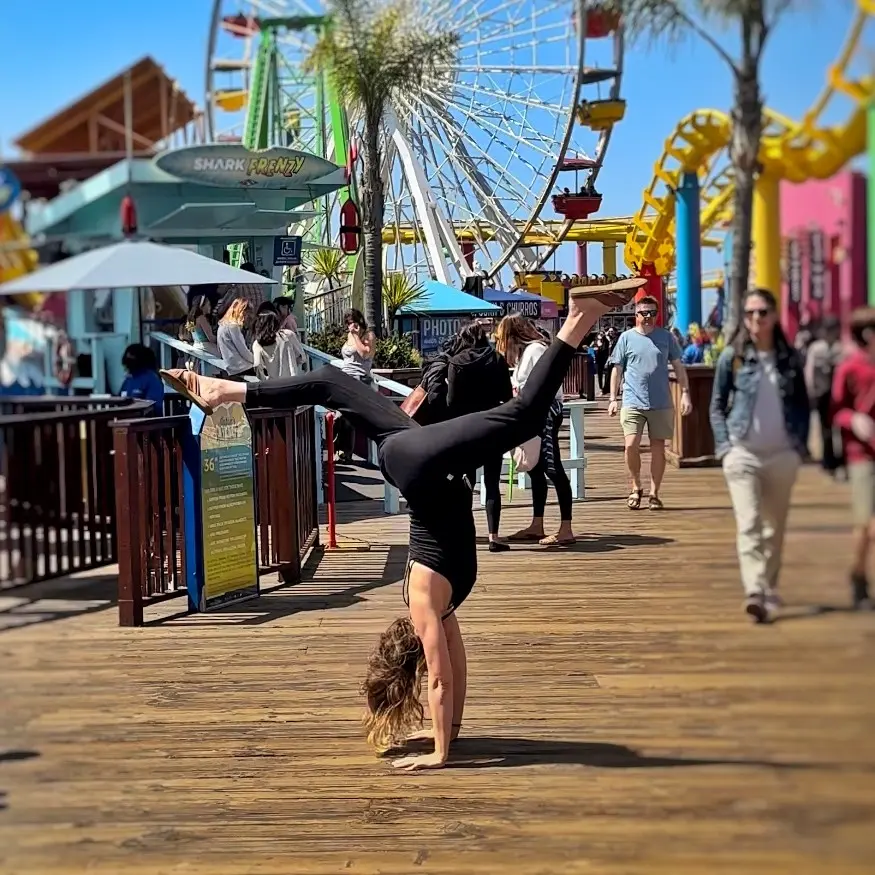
(399, 291)
(326, 263)
(373, 53)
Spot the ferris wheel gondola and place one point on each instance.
(472, 159)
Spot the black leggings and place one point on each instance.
(550, 465)
(832, 458)
(492, 484)
(411, 455)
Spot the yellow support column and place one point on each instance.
(609, 258)
(767, 233)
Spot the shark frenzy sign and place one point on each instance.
(228, 165)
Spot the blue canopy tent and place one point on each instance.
(440, 313)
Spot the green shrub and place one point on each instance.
(391, 352)
(396, 352)
(329, 340)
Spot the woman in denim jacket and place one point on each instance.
(760, 418)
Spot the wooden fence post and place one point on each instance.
(128, 479)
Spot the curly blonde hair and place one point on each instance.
(392, 686)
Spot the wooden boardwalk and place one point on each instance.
(623, 716)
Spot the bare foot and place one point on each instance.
(204, 392)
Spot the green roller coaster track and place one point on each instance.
(265, 124)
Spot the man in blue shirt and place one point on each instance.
(641, 358)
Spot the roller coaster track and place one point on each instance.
(796, 151)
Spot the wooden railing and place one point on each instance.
(580, 380)
(57, 504)
(152, 540)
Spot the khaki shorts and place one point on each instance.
(660, 423)
(861, 476)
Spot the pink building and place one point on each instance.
(823, 226)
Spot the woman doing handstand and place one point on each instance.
(428, 465)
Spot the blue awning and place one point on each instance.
(497, 296)
(440, 298)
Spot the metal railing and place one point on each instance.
(327, 308)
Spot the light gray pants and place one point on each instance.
(760, 488)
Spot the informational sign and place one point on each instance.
(816, 265)
(227, 494)
(10, 189)
(228, 165)
(434, 330)
(287, 251)
(794, 270)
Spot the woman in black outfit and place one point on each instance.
(428, 465)
(522, 342)
(469, 376)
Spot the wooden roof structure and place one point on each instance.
(95, 123)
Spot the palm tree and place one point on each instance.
(399, 291)
(753, 20)
(327, 264)
(373, 54)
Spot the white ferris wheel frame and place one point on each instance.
(445, 254)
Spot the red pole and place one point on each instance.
(329, 482)
(653, 289)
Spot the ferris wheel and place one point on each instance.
(470, 166)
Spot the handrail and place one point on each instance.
(134, 406)
(188, 349)
(327, 359)
(390, 494)
(341, 288)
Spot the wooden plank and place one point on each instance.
(623, 716)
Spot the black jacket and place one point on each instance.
(474, 379)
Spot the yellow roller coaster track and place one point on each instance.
(796, 151)
(609, 230)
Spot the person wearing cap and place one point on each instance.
(641, 359)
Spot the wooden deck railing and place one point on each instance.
(149, 493)
(57, 504)
(580, 380)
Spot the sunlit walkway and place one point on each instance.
(623, 716)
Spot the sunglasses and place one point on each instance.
(647, 314)
(762, 312)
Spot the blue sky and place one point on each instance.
(59, 50)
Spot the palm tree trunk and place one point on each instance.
(372, 223)
(747, 129)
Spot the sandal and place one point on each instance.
(556, 541)
(634, 499)
(654, 502)
(187, 388)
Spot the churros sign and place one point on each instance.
(232, 166)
